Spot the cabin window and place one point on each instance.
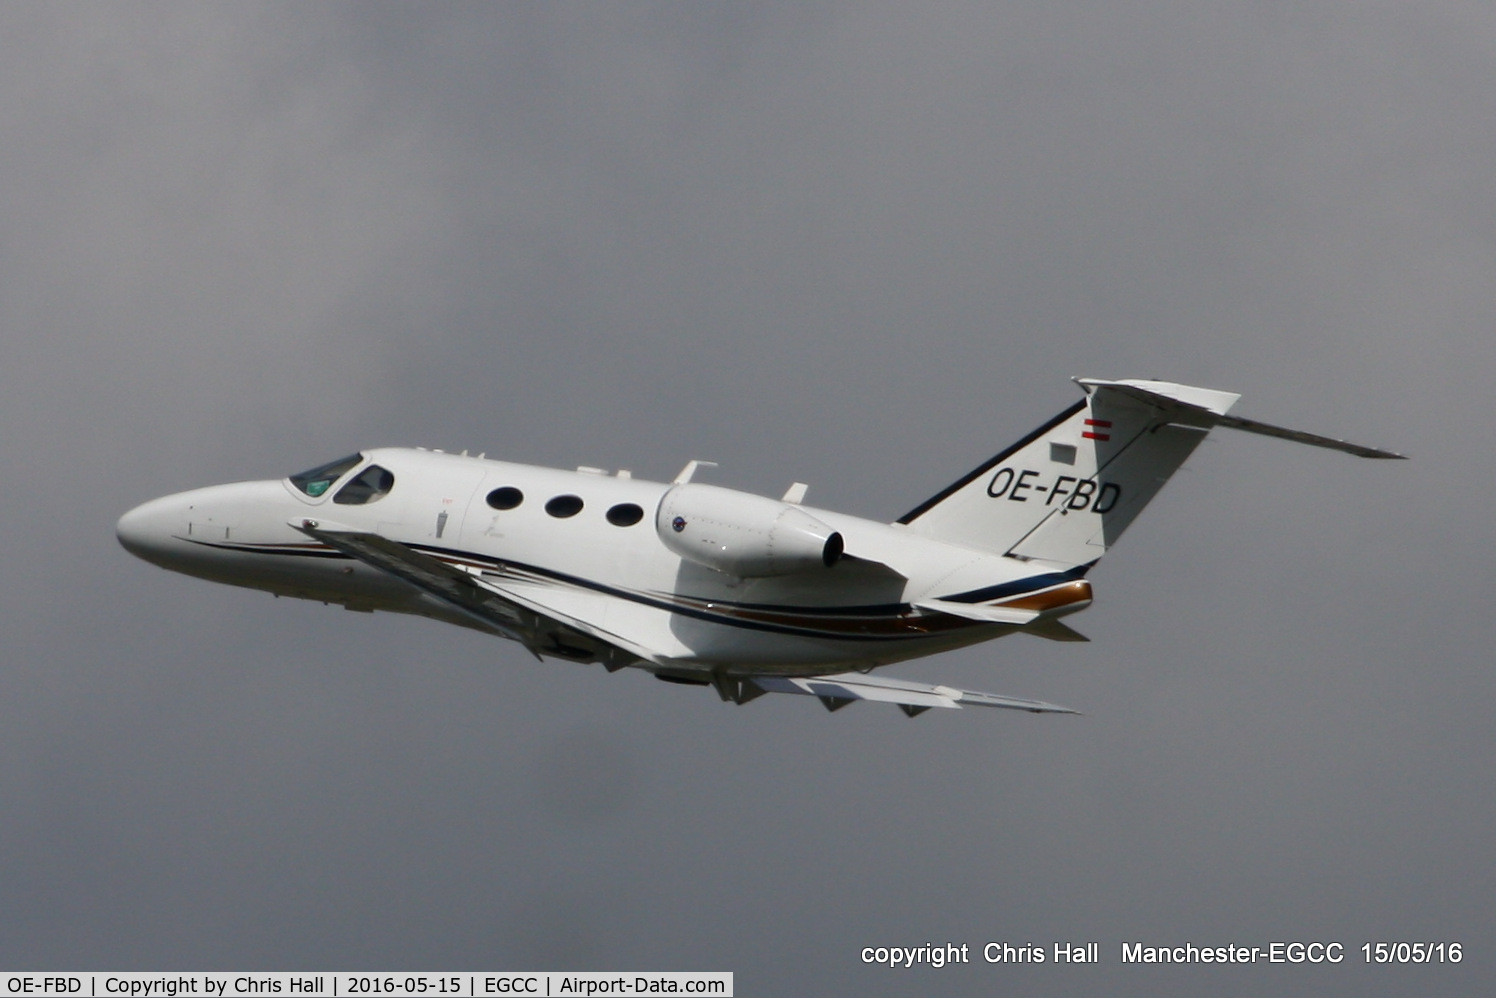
(506, 497)
(369, 485)
(563, 506)
(625, 514)
(321, 478)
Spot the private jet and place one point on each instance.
(704, 585)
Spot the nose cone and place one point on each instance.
(148, 530)
(209, 532)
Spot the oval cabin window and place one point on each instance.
(507, 497)
(563, 506)
(625, 514)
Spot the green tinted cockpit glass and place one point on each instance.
(368, 485)
(318, 480)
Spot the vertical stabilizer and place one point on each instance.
(1067, 491)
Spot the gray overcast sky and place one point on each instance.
(860, 245)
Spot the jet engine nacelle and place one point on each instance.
(744, 535)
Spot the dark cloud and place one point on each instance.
(857, 245)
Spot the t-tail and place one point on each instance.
(1065, 493)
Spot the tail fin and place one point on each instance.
(1067, 491)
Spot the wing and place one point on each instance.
(540, 627)
(913, 698)
(550, 620)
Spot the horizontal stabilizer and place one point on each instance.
(1314, 440)
(837, 690)
(1054, 630)
(1028, 621)
(980, 611)
(1205, 408)
(1164, 395)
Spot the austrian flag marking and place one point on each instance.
(1100, 424)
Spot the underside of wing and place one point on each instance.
(641, 632)
(540, 626)
(451, 586)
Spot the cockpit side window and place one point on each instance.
(317, 481)
(369, 485)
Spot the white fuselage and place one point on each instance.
(620, 575)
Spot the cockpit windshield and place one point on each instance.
(317, 481)
(368, 485)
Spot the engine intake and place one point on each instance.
(744, 535)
